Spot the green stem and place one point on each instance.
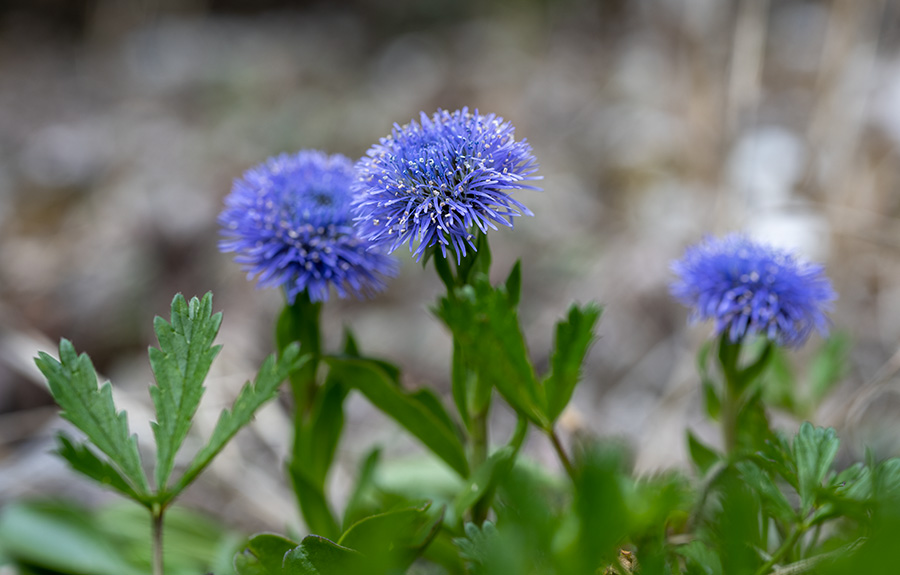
(561, 452)
(731, 402)
(157, 512)
(783, 550)
(479, 448)
(300, 322)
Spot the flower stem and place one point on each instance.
(479, 448)
(561, 452)
(728, 358)
(157, 512)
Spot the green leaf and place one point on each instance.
(317, 513)
(774, 500)
(486, 325)
(83, 459)
(573, 339)
(322, 431)
(848, 494)
(749, 374)
(315, 444)
(814, 449)
(444, 552)
(359, 502)
(270, 551)
(514, 284)
(430, 401)
(475, 262)
(248, 564)
(477, 543)
(251, 398)
(180, 365)
(442, 267)
(61, 538)
(372, 381)
(711, 400)
(828, 367)
(775, 457)
(394, 539)
(600, 507)
(702, 455)
(780, 383)
(73, 384)
(701, 559)
(318, 556)
(752, 424)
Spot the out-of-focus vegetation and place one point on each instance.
(123, 124)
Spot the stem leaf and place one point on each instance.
(180, 366)
(814, 449)
(407, 409)
(83, 460)
(73, 384)
(485, 324)
(574, 337)
(252, 397)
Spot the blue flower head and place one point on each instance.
(433, 182)
(751, 288)
(289, 223)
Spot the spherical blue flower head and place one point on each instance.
(289, 223)
(752, 288)
(432, 182)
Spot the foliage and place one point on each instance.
(765, 503)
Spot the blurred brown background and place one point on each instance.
(122, 125)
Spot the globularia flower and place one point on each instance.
(288, 221)
(433, 182)
(752, 288)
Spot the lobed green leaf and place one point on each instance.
(319, 556)
(73, 384)
(180, 365)
(485, 324)
(814, 449)
(251, 398)
(574, 337)
(703, 456)
(393, 540)
(83, 460)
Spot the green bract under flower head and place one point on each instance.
(433, 182)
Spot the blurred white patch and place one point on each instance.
(800, 231)
(764, 166)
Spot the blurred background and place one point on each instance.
(123, 124)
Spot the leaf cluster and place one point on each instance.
(109, 453)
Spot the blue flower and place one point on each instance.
(751, 288)
(433, 182)
(289, 223)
